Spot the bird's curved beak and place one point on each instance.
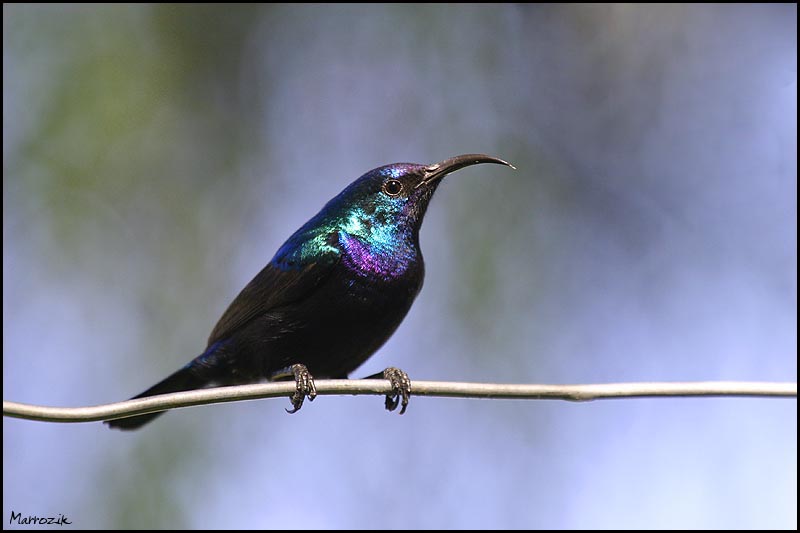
(435, 172)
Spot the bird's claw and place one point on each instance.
(401, 389)
(305, 387)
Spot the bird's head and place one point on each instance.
(378, 216)
(393, 198)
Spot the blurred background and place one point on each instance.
(155, 158)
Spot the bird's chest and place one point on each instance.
(377, 283)
(379, 262)
(380, 281)
(352, 314)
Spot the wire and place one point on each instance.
(577, 393)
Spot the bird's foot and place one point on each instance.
(401, 389)
(305, 387)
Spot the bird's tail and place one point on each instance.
(182, 380)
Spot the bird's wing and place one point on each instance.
(273, 287)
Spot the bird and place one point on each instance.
(332, 295)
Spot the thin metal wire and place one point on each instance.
(576, 393)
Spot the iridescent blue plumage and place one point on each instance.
(375, 233)
(333, 293)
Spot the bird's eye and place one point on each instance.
(392, 187)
